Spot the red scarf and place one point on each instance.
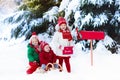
(66, 35)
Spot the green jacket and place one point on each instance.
(32, 54)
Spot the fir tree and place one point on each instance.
(37, 7)
(101, 15)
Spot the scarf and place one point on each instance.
(37, 48)
(66, 35)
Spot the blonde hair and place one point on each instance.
(57, 27)
(33, 36)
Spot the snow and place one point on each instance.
(100, 19)
(63, 5)
(14, 63)
(117, 2)
(117, 15)
(106, 66)
(7, 6)
(99, 2)
(72, 7)
(51, 14)
(87, 19)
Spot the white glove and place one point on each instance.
(42, 71)
(43, 66)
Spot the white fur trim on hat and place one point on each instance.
(33, 36)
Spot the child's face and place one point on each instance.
(47, 48)
(35, 41)
(63, 26)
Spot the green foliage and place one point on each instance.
(22, 30)
(91, 8)
(106, 8)
(15, 32)
(62, 13)
(71, 19)
(37, 7)
(18, 16)
(40, 28)
(113, 48)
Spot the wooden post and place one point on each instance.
(91, 52)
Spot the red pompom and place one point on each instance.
(33, 33)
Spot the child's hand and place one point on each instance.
(35, 62)
(61, 47)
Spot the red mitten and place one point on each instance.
(33, 63)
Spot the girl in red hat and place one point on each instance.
(61, 39)
(33, 53)
(47, 56)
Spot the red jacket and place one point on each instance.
(47, 57)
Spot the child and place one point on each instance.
(46, 56)
(62, 38)
(33, 53)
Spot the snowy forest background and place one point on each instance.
(19, 18)
(22, 17)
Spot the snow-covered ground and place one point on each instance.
(14, 63)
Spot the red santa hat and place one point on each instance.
(43, 44)
(34, 35)
(61, 20)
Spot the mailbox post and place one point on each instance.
(91, 52)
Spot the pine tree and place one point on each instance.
(101, 15)
(37, 7)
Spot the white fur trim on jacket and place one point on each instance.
(57, 41)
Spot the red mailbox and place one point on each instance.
(94, 35)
